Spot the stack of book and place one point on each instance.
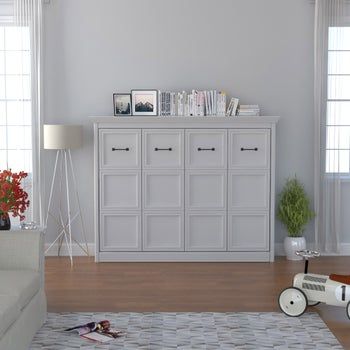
(248, 110)
(195, 103)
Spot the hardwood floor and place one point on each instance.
(221, 287)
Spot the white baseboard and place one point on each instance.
(344, 249)
(279, 250)
(77, 251)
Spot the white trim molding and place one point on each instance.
(76, 250)
(279, 250)
(344, 249)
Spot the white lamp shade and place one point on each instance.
(62, 136)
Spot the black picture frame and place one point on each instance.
(149, 107)
(119, 109)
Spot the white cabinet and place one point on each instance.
(163, 189)
(184, 189)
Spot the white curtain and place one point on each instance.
(332, 139)
(28, 13)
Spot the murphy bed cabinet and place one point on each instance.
(184, 188)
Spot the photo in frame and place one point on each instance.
(122, 104)
(144, 102)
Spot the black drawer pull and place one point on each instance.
(249, 149)
(163, 149)
(121, 149)
(205, 149)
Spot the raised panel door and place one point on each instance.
(205, 190)
(163, 231)
(120, 231)
(163, 149)
(120, 149)
(163, 189)
(120, 190)
(205, 231)
(206, 149)
(248, 231)
(249, 148)
(248, 190)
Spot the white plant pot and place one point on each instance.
(291, 245)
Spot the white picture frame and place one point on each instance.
(144, 102)
(122, 104)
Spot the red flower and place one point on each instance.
(12, 196)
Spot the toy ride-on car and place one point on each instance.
(310, 289)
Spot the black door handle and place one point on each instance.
(205, 149)
(249, 149)
(163, 149)
(121, 149)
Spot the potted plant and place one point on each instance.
(294, 212)
(13, 199)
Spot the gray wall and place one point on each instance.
(258, 50)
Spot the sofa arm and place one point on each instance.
(22, 250)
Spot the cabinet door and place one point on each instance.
(120, 231)
(206, 190)
(249, 148)
(120, 190)
(163, 190)
(248, 190)
(120, 149)
(206, 149)
(163, 149)
(205, 231)
(248, 231)
(163, 231)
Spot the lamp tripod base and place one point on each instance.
(64, 177)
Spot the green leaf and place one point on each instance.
(294, 207)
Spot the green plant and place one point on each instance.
(294, 208)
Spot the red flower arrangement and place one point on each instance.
(12, 196)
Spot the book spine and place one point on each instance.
(168, 103)
(229, 108)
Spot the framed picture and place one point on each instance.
(144, 102)
(122, 104)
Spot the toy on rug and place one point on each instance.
(311, 289)
(97, 331)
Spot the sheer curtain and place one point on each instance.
(28, 15)
(332, 125)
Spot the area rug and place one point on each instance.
(153, 331)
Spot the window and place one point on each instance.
(15, 102)
(338, 101)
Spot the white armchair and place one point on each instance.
(22, 289)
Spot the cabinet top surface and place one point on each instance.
(137, 121)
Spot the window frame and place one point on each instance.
(7, 21)
(341, 175)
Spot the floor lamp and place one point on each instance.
(64, 138)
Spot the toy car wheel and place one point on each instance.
(312, 303)
(348, 309)
(292, 301)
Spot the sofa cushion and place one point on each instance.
(9, 311)
(22, 284)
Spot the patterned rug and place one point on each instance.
(153, 331)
